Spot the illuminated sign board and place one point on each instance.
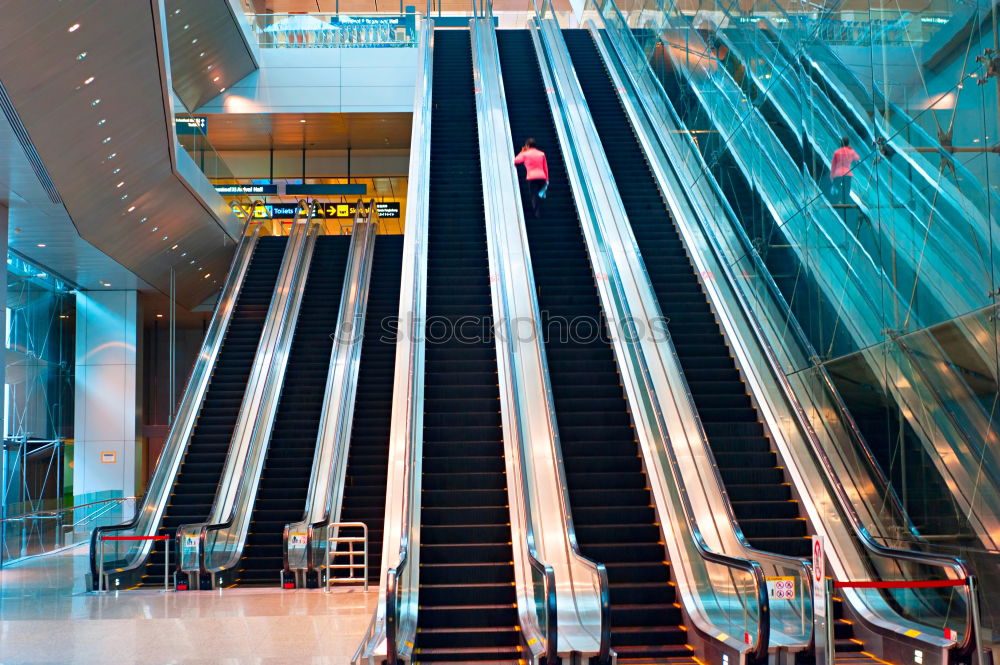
(385, 210)
(235, 190)
(188, 125)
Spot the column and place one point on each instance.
(107, 424)
(4, 213)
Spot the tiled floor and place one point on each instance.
(47, 617)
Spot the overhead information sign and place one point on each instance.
(352, 189)
(188, 125)
(385, 210)
(233, 190)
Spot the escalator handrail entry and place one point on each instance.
(369, 212)
(749, 549)
(415, 228)
(146, 508)
(752, 568)
(309, 208)
(546, 571)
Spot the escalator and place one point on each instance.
(368, 458)
(754, 480)
(609, 492)
(281, 495)
(194, 488)
(467, 600)
(756, 484)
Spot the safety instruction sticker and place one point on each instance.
(297, 539)
(781, 588)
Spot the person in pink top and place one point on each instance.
(537, 173)
(840, 170)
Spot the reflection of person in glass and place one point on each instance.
(840, 170)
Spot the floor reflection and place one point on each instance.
(46, 616)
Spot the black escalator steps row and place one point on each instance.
(608, 488)
(368, 457)
(750, 470)
(468, 608)
(197, 479)
(284, 483)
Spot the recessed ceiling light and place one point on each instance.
(183, 254)
(117, 171)
(174, 247)
(177, 11)
(107, 139)
(143, 220)
(82, 55)
(222, 89)
(41, 244)
(121, 184)
(131, 208)
(112, 155)
(165, 237)
(201, 55)
(155, 229)
(207, 274)
(89, 80)
(194, 41)
(101, 121)
(73, 28)
(216, 79)
(200, 268)
(123, 197)
(191, 261)
(95, 102)
(302, 121)
(187, 25)
(159, 316)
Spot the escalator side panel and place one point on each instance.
(281, 495)
(759, 492)
(198, 477)
(609, 491)
(368, 458)
(467, 597)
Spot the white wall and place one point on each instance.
(108, 394)
(324, 80)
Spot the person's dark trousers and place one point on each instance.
(842, 188)
(534, 187)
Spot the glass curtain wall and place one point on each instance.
(37, 458)
(858, 145)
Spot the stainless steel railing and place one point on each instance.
(692, 201)
(554, 618)
(220, 539)
(154, 501)
(304, 540)
(394, 623)
(627, 299)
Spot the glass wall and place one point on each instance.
(37, 459)
(857, 145)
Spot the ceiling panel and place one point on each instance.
(88, 81)
(208, 51)
(319, 131)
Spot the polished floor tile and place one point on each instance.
(46, 617)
